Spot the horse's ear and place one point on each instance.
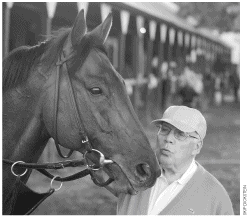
(79, 29)
(101, 32)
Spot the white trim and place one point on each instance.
(9, 4)
(163, 32)
(139, 25)
(172, 36)
(51, 9)
(84, 6)
(180, 38)
(105, 10)
(152, 29)
(159, 10)
(125, 15)
(187, 38)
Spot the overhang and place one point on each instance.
(161, 12)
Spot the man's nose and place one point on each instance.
(169, 138)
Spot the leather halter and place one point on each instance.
(61, 63)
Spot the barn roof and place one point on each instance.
(161, 11)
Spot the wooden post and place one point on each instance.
(48, 26)
(125, 16)
(160, 85)
(169, 79)
(171, 38)
(175, 48)
(152, 33)
(138, 62)
(198, 52)
(194, 50)
(149, 54)
(180, 46)
(135, 67)
(190, 48)
(184, 47)
(160, 95)
(209, 56)
(205, 54)
(122, 48)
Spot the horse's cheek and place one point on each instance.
(47, 114)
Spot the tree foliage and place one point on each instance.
(223, 16)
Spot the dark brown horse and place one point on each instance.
(30, 79)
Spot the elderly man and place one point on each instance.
(184, 187)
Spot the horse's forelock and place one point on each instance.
(81, 52)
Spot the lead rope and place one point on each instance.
(90, 168)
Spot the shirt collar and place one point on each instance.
(185, 177)
(189, 172)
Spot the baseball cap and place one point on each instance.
(185, 119)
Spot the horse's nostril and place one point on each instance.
(143, 171)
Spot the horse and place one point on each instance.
(65, 88)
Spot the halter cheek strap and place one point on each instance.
(61, 63)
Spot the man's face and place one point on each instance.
(172, 151)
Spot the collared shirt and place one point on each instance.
(163, 193)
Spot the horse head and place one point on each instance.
(105, 111)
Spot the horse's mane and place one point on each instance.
(18, 64)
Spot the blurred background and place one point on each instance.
(169, 54)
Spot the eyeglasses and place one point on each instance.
(178, 134)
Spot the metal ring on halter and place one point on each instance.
(51, 186)
(13, 170)
(102, 160)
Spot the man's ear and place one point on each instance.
(197, 148)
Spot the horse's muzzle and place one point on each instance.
(143, 172)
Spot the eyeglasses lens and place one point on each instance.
(165, 130)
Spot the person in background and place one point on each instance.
(187, 87)
(187, 95)
(235, 83)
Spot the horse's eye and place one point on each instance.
(96, 91)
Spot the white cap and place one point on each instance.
(185, 119)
